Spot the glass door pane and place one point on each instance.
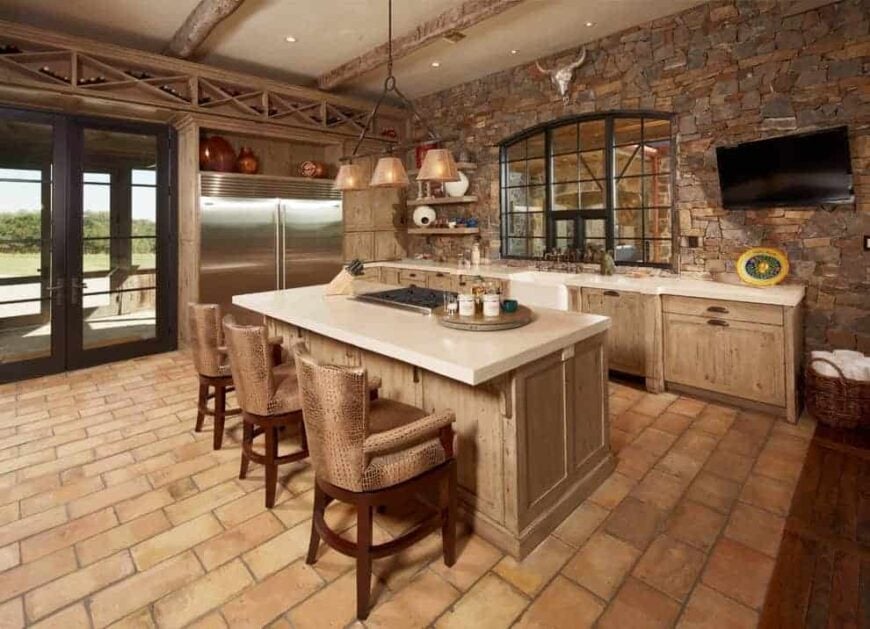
(119, 275)
(26, 279)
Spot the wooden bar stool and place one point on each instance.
(212, 366)
(269, 397)
(372, 454)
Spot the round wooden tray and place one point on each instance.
(479, 323)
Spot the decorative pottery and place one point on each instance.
(247, 163)
(762, 266)
(457, 188)
(215, 153)
(421, 150)
(310, 168)
(424, 216)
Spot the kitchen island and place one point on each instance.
(530, 403)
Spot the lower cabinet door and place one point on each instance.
(736, 358)
(389, 276)
(442, 281)
(626, 343)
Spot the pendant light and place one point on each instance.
(389, 171)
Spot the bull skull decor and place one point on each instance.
(562, 77)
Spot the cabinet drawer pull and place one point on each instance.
(439, 275)
(611, 293)
(719, 322)
(720, 309)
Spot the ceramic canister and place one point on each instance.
(491, 305)
(466, 305)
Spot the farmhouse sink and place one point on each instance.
(541, 289)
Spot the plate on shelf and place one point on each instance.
(762, 266)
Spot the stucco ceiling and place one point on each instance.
(330, 32)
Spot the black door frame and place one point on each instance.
(66, 246)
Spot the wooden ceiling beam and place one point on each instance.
(458, 18)
(198, 25)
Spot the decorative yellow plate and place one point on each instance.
(762, 266)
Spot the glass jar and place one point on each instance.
(466, 305)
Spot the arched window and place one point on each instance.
(600, 180)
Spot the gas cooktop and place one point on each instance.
(414, 298)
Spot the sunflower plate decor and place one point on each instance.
(762, 266)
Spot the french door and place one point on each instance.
(87, 252)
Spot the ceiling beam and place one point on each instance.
(198, 25)
(458, 18)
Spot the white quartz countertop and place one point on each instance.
(783, 295)
(417, 339)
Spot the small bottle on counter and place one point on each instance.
(475, 253)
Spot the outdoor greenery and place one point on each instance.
(20, 232)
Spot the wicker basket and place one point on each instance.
(836, 400)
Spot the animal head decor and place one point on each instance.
(562, 77)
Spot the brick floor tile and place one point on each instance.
(670, 566)
(632, 422)
(579, 526)
(273, 596)
(12, 614)
(22, 490)
(175, 540)
(333, 607)
(203, 502)
(124, 445)
(714, 491)
(635, 522)
(654, 404)
(475, 556)
(415, 606)
(601, 564)
(680, 465)
(635, 462)
(656, 441)
(695, 524)
(611, 492)
(30, 575)
(532, 573)
(72, 587)
(728, 465)
(491, 603)
(707, 609)
(10, 556)
(687, 406)
(165, 475)
(756, 528)
(240, 539)
(60, 465)
(660, 489)
(141, 468)
(739, 572)
(619, 439)
(187, 603)
(134, 592)
(716, 419)
(674, 423)
(278, 551)
(768, 494)
(106, 497)
(562, 605)
(67, 534)
(144, 503)
(121, 537)
(738, 442)
(695, 444)
(73, 617)
(60, 495)
(640, 607)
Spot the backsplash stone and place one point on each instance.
(730, 71)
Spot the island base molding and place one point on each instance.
(532, 444)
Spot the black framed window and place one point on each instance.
(601, 180)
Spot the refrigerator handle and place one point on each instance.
(279, 250)
(282, 252)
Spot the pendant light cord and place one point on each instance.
(390, 86)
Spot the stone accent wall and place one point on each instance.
(730, 71)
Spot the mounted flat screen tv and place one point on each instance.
(799, 170)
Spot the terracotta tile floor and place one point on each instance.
(114, 512)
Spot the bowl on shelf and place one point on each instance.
(457, 188)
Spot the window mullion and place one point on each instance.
(609, 167)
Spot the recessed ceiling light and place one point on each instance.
(590, 24)
(290, 39)
(436, 64)
(514, 51)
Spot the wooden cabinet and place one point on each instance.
(736, 358)
(370, 274)
(374, 220)
(359, 246)
(389, 245)
(442, 281)
(389, 276)
(627, 341)
(408, 277)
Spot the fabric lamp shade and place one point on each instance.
(389, 173)
(350, 177)
(438, 165)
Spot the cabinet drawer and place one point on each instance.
(389, 276)
(722, 309)
(442, 281)
(415, 278)
(370, 274)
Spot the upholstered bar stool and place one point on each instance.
(268, 395)
(212, 366)
(372, 454)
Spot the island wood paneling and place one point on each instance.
(530, 444)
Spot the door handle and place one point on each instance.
(77, 287)
(719, 309)
(719, 322)
(611, 293)
(55, 293)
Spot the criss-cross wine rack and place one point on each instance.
(36, 58)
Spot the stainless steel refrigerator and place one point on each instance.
(261, 233)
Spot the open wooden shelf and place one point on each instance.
(442, 201)
(443, 231)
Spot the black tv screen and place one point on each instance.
(799, 170)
